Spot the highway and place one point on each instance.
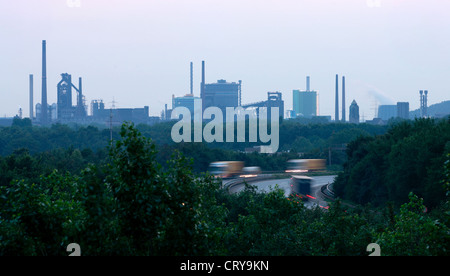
(284, 184)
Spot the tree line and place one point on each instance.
(297, 140)
(408, 158)
(131, 204)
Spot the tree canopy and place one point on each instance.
(130, 204)
(386, 168)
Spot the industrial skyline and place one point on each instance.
(136, 52)
(221, 94)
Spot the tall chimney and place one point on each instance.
(202, 89)
(80, 104)
(44, 107)
(421, 103)
(336, 114)
(80, 94)
(192, 78)
(308, 84)
(31, 96)
(165, 113)
(343, 99)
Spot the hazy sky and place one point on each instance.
(137, 52)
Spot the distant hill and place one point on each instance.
(436, 110)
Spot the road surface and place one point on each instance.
(284, 184)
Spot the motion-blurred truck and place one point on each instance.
(226, 169)
(301, 187)
(248, 172)
(305, 165)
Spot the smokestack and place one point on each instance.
(421, 103)
(202, 89)
(343, 99)
(308, 84)
(44, 107)
(165, 113)
(336, 114)
(192, 78)
(240, 93)
(80, 93)
(31, 97)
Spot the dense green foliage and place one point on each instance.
(296, 140)
(40, 139)
(308, 140)
(130, 204)
(386, 168)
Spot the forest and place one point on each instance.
(296, 140)
(408, 158)
(142, 195)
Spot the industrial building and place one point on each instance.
(116, 116)
(400, 110)
(221, 94)
(274, 99)
(187, 101)
(51, 112)
(65, 111)
(354, 113)
(386, 112)
(305, 103)
(403, 110)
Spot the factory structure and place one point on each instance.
(274, 99)
(423, 103)
(221, 94)
(400, 110)
(305, 103)
(187, 101)
(354, 113)
(336, 115)
(224, 94)
(71, 106)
